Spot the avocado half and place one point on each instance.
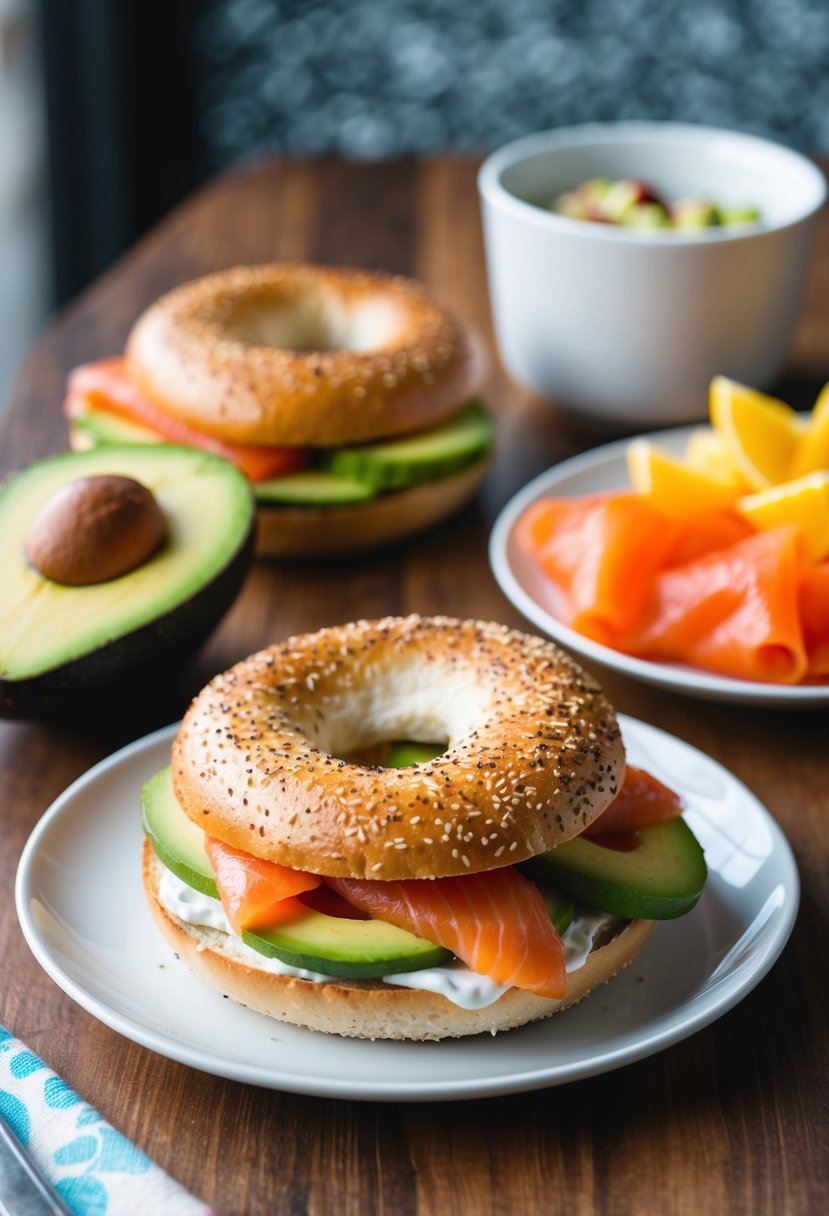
(59, 643)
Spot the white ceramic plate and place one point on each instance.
(601, 469)
(82, 910)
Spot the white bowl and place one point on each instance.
(628, 327)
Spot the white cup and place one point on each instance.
(627, 327)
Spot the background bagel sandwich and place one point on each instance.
(344, 397)
(489, 871)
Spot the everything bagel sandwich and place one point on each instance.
(343, 396)
(410, 828)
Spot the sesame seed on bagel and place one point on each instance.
(293, 354)
(533, 750)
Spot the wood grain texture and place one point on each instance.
(733, 1120)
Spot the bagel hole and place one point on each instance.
(391, 698)
(309, 321)
(378, 755)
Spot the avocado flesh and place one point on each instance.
(331, 945)
(561, 907)
(416, 459)
(401, 755)
(96, 427)
(308, 487)
(178, 842)
(660, 879)
(347, 949)
(311, 488)
(45, 626)
(342, 475)
(404, 753)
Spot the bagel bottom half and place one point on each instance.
(371, 1009)
(284, 531)
(330, 531)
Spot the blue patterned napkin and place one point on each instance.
(96, 1170)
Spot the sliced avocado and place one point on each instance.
(178, 842)
(660, 879)
(93, 428)
(560, 906)
(331, 945)
(367, 948)
(349, 949)
(401, 755)
(59, 643)
(312, 487)
(428, 456)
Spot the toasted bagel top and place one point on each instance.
(533, 754)
(292, 354)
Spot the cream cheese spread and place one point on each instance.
(455, 980)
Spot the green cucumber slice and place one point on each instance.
(428, 456)
(312, 488)
(660, 879)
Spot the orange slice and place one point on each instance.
(803, 503)
(673, 486)
(705, 453)
(760, 434)
(813, 454)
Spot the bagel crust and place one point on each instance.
(308, 532)
(372, 1009)
(298, 355)
(534, 752)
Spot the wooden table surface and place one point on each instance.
(731, 1120)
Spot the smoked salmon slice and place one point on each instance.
(641, 801)
(600, 553)
(734, 611)
(814, 612)
(707, 533)
(107, 385)
(323, 899)
(495, 922)
(709, 590)
(256, 893)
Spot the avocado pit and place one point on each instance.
(95, 529)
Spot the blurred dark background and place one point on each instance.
(141, 100)
(145, 99)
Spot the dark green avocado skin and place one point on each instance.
(108, 673)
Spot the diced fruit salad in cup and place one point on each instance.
(718, 558)
(636, 204)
